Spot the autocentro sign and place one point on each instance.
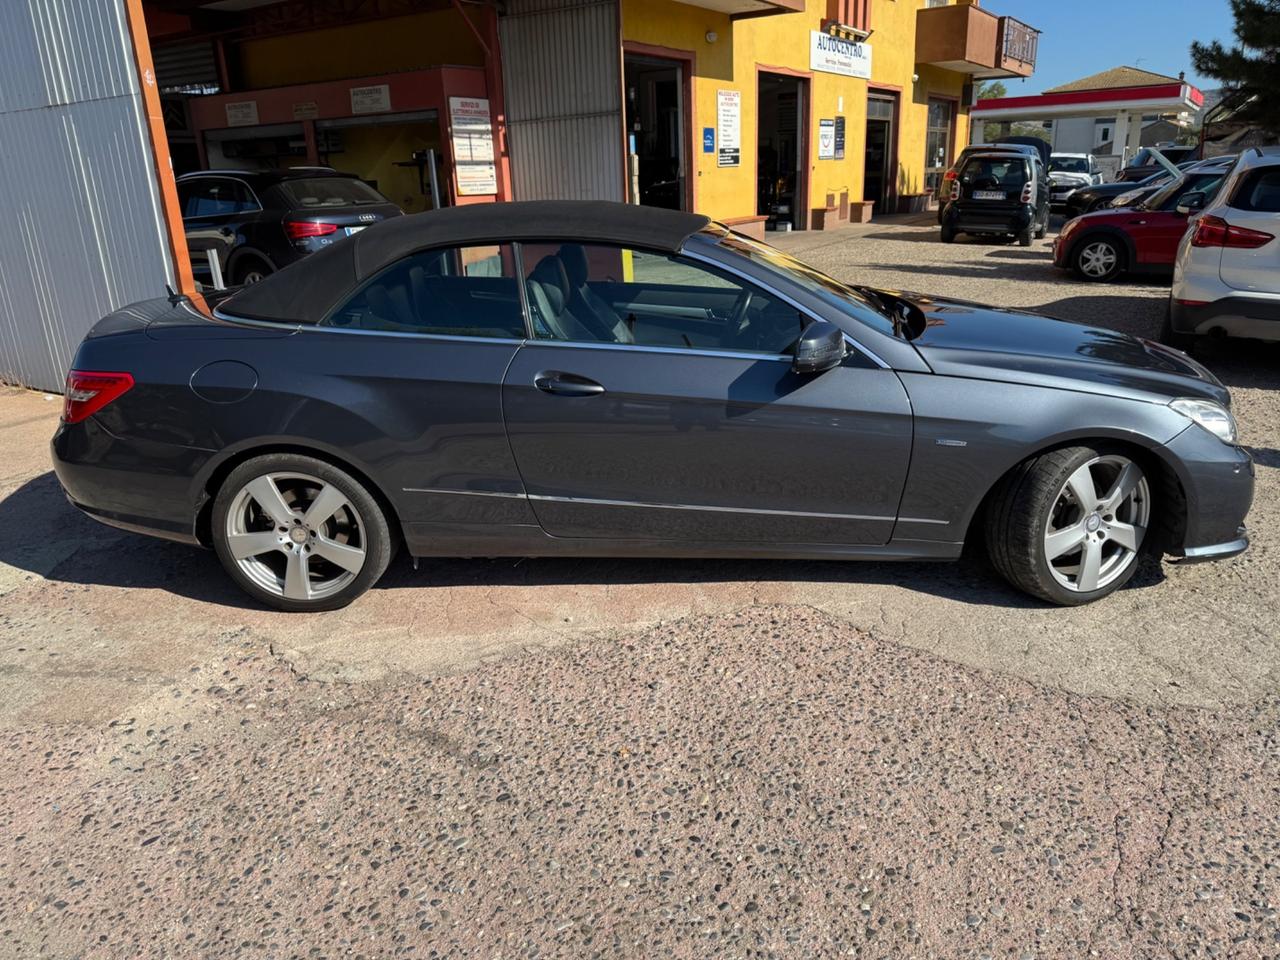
(829, 54)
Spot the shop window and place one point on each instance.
(601, 294)
(937, 145)
(457, 291)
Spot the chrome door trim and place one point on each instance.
(642, 348)
(299, 327)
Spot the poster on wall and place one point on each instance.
(826, 139)
(243, 113)
(471, 133)
(839, 138)
(374, 99)
(729, 125)
(849, 58)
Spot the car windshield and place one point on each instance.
(1069, 164)
(844, 298)
(330, 192)
(1205, 181)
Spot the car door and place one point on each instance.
(1251, 260)
(1158, 232)
(213, 208)
(657, 402)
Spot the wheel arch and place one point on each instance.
(1171, 498)
(247, 252)
(217, 472)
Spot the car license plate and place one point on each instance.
(351, 230)
(988, 195)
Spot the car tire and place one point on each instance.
(1036, 512)
(1181, 341)
(1043, 228)
(1097, 259)
(306, 561)
(1096, 205)
(948, 234)
(250, 270)
(1025, 237)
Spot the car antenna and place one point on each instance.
(174, 298)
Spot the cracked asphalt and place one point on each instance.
(549, 758)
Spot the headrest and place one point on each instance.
(574, 258)
(550, 276)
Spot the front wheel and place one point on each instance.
(299, 534)
(1070, 526)
(1097, 259)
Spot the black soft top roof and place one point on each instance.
(310, 288)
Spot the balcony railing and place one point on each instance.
(1018, 45)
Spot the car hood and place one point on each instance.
(963, 339)
(1069, 179)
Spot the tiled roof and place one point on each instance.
(1115, 78)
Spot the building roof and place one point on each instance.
(310, 288)
(1116, 78)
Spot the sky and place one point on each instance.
(1081, 37)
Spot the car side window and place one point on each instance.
(452, 291)
(1207, 184)
(591, 293)
(1259, 191)
(214, 197)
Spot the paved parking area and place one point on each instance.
(575, 758)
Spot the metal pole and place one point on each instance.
(435, 183)
(215, 269)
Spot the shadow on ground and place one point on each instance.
(62, 545)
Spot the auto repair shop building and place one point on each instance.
(766, 114)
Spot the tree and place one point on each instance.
(991, 90)
(1250, 70)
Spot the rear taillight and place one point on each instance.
(1216, 232)
(1027, 189)
(301, 229)
(88, 391)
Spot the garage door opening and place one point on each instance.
(782, 161)
(655, 130)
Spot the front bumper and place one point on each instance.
(1217, 481)
(1216, 551)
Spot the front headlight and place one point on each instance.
(1214, 417)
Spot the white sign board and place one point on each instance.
(829, 54)
(471, 133)
(375, 99)
(827, 139)
(729, 128)
(242, 114)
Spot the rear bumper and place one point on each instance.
(1238, 316)
(103, 476)
(974, 218)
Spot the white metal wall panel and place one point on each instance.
(84, 232)
(561, 66)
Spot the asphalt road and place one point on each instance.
(625, 758)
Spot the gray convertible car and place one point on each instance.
(596, 379)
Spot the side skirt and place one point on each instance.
(478, 540)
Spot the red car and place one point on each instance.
(1102, 245)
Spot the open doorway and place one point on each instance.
(877, 179)
(655, 130)
(781, 163)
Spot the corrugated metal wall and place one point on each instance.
(563, 82)
(83, 232)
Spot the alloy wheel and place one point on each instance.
(1093, 537)
(1098, 259)
(296, 536)
(253, 276)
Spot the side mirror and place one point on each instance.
(1191, 203)
(821, 346)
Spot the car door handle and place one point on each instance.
(566, 384)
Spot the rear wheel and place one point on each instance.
(948, 234)
(1026, 236)
(251, 270)
(1044, 226)
(1070, 526)
(1097, 259)
(298, 533)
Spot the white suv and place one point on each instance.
(1226, 277)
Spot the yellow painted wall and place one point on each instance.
(373, 152)
(363, 49)
(783, 41)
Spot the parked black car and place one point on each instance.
(596, 379)
(1000, 194)
(1144, 162)
(948, 179)
(1088, 199)
(260, 221)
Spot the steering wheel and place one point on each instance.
(729, 333)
